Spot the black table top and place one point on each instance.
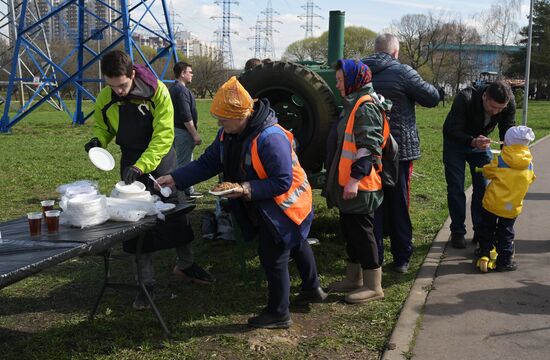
(22, 255)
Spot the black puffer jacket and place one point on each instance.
(403, 86)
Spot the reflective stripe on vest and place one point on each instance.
(296, 203)
(372, 181)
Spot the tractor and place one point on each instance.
(304, 97)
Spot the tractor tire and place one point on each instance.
(303, 102)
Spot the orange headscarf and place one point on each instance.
(232, 101)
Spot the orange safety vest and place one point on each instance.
(372, 181)
(296, 203)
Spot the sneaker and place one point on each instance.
(458, 241)
(141, 302)
(512, 266)
(266, 320)
(195, 195)
(194, 273)
(305, 297)
(401, 268)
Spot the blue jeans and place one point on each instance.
(455, 157)
(393, 216)
(184, 144)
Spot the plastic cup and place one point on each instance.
(35, 221)
(52, 220)
(47, 205)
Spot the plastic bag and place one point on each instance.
(129, 209)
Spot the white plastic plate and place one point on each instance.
(134, 188)
(164, 206)
(101, 158)
(223, 192)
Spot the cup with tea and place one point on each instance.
(52, 220)
(35, 222)
(47, 205)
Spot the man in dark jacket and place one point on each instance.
(474, 114)
(404, 87)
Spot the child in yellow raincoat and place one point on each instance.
(510, 173)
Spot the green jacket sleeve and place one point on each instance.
(163, 131)
(101, 130)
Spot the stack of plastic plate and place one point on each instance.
(134, 191)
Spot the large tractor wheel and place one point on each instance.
(303, 102)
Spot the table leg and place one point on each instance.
(106, 262)
(143, 288)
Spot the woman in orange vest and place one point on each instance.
(272, 199)
(353, 181)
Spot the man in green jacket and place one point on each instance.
(136, 108)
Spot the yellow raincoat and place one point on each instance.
(510, 173)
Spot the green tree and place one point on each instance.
(540, 52)
(358, 43)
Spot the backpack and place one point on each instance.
(390, 151)
(390, 158)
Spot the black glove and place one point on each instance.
(130, 174)
(94, 142)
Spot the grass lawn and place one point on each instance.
(44, 316)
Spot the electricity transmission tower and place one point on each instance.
(77, 27)
(9, 12)
(257, 38)
(309, 16)
(268, 48)
(225, 39)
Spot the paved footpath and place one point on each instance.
(469, 315)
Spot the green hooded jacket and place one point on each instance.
(367, 131)
(163, 122)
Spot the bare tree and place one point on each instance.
(208, 75)
(420, 36)
(499, 25)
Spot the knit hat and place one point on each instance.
(232, 101)
(521, 135)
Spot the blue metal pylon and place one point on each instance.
(127, 22)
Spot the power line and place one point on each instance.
(224, 43)
(268, 48)
(309, 16)
(257, 38)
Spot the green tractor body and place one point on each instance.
(305, 98)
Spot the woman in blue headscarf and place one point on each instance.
(353, 181)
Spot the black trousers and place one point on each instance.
(274, 257)
(393, 216)
(497, 231)
(361, 244)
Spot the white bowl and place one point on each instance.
(134, 188)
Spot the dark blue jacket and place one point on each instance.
(466, 120)
(275, 155)
(404, 87)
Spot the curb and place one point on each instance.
(401, 342)
(403, 334)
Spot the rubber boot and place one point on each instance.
(352, 281)
(371, 290)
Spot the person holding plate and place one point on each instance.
(271, 198)
(136, 108)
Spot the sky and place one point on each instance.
(377, 15)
